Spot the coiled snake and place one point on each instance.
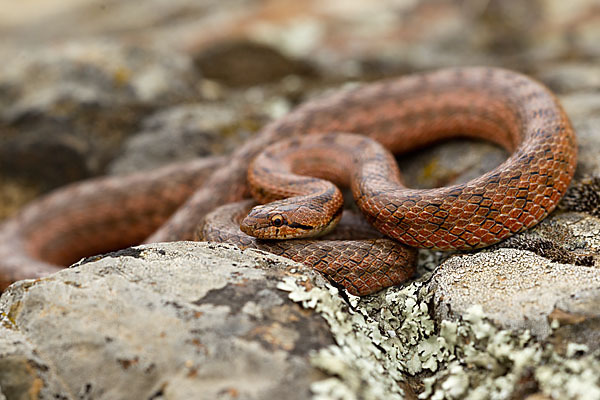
(493, 104)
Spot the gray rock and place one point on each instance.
(570, 238)
(578, 321)
(567, 238)
(80, 74)
(194, 320)
(177, 321)
(580, 106)
(184, 132)
(453, 162)
(587, 129)
(583, 108)
(517, 289)
(65, 110)
(571, 77)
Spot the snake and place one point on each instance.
(353, 257)
(505, 107)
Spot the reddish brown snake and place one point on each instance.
(505, 107)
(354, 255)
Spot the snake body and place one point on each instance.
(493, 104)
(466, 216)
(95, 216)
(358, 259)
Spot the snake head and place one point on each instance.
(281, 220)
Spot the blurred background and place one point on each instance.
(92, 87)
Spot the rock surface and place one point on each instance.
(64, 111)
(89, 87)
(516, 289)
(174, 321)
(246, 63)
(182, 133)
(195, 320)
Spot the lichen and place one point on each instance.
(383, 339)
(553, 250)
(583, 195)
(356, 363)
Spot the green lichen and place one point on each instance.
(383, 339)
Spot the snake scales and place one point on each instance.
(493, 104)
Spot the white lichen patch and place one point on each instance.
(384, 338)
(570, 378)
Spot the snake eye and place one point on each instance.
(277, 220)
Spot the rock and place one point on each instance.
(178, 321)
(567, 238)
(44, 158)
(584, 195)
(516, 289)
(65, 110)
(13, 195)
(455, 161)
(93, 73)
(394, 331)
(197, 320)
(507, 25)
(577, 322)
(581, 107)
(184, 132)
(587, 129)
(571, 77)
(245, 63)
